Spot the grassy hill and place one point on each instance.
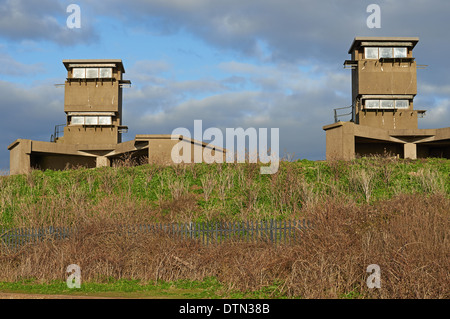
(394, 213)
(202, 192)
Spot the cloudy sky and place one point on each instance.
(230, 63)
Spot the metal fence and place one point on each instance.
(16, 237)
(272, 231)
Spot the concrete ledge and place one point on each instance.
(146, 137)
(412, 132)
(331, 126)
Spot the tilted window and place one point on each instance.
(92, 73)
(104, 120)
(372, 104)
(386, 104)
(385, 52)
(105, 72)
(371, 53)
(401, 104)
(79, 73)
(91, 120)
(77, 120)
(400, 52)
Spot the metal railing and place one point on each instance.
(337, 116)
(58, 133)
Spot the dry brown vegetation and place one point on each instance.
(405, 234)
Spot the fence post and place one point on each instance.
(271, 231)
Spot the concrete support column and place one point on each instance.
(20, 157)
(102, 161)
(410, 150)
(340, 141)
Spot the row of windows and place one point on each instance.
(377, 53)
(91, 120)
(91, 73)
(386, 104)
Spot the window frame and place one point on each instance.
(380, 104)
(373, 101)
(85, 118)
(392, 102)
(365, 53)
(393, 53)
(398, 48)
(78, 77)
(78, 117)
(402, 108)
(99, 73)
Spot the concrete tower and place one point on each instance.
(384, 84)
(92, 134)
(93, 102)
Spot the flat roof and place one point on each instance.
(143, 137)
(358, 41)
(117, 62)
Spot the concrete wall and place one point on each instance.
(340, 141)
(19, 157)
(78, 134)
(388, 119)
(91, 96)
(160, 151)
(386, 78)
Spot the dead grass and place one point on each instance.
(407, 236)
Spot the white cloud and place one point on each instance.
(437, 115)
(42, 20)
(10, 66)
(29, 113)
(296, 104)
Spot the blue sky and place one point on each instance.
(251, 63)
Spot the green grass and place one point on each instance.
(209, 288)
(236, 191)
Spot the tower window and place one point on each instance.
(371, 53)
(400, 52)
(77, 120)
(92, 73)
(386, 104)
(104, 120)
(91, 120)
(383, 52)
(386, 53)
(79, 73)
(401, 104)
(372, 104)
(105, 72)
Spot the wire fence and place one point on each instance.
(273, 231)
